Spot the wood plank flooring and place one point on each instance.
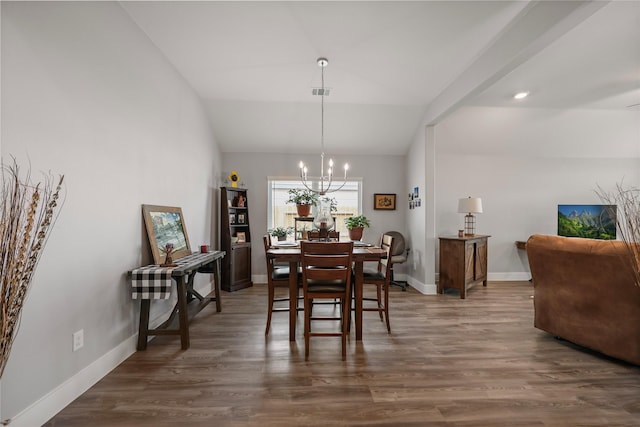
(447, 362)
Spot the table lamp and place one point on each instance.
(470, 205)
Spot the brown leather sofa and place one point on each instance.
(584, 292)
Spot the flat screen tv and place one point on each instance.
(588, 221)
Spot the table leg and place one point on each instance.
(143, 329)
(358, 294)
(293, 299)
(183, 315)
(216, 284)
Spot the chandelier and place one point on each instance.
(326, 177)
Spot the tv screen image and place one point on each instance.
(588, 221)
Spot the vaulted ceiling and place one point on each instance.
(393, 66)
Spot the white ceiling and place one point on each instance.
(393, 66)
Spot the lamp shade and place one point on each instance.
(470, 205)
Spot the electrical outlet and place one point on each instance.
(78, 340)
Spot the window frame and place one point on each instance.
(270, 194)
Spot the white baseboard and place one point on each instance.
(56, 400)
(53, 402)
(423, 288)
(508, 277)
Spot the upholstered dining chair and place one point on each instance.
(380, 277)
(326, 274)
(399, 255)
(277, 277)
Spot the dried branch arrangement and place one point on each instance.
(628, 201)
(28, 211)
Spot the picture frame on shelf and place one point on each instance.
(165, 225)
(232, 219)
(242, 237)
(384, 201)
(241, 219)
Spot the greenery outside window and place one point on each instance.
(282, 214)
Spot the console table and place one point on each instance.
(154, 282)
(463, 262)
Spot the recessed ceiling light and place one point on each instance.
(520, 95)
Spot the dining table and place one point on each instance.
(290, 253)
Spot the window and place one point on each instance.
(281, 214)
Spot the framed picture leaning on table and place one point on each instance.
(165, 225)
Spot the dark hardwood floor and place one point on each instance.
(447, 362)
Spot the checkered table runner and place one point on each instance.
(151, 282)
(154, 281)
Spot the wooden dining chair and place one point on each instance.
(380, 277)
(332, 235)
(326, 274)
(277, 277)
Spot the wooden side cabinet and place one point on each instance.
(235, 239)
(463, 262)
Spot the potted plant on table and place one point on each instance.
(280, 232)
(356, 225)
(303, 199)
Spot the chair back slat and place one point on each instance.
(387, 244)
(326, 261)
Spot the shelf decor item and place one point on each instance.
(234, 178)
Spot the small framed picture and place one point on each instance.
(241, 219)
(384, 202)
(242, 237)
(232, 218)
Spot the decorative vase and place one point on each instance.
(323, 220)
(355, 233)
(282, 238)
(303, 210)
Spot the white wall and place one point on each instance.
(86, 94)
(417, 171)
(381, 174)
(523, 163)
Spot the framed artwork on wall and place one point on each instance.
(165, 225)
(384, 202)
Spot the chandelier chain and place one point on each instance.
(328, 178)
